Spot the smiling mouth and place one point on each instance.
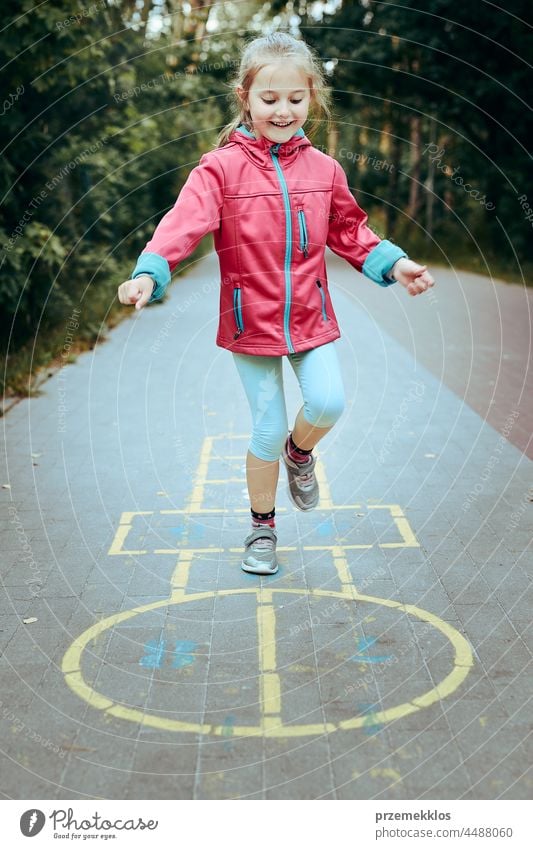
(286, 124)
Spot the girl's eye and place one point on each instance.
(269, 102)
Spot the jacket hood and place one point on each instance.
(258, 150)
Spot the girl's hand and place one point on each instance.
(416, 278)
(136, 291)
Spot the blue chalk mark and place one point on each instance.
(228, 729)
(326, 528)
(182, 654)
(153, 658)
(363, 644)
(370, 726)
(197, 532)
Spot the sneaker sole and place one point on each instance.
(258, 570)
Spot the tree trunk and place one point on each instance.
(333, 139)
(391, 211)
(430, 187)
(416, 165)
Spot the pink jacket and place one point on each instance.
(272, 208)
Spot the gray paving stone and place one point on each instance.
(301, 770)
(168, 770)
(36, 786)
(198, 661)
(229, 767)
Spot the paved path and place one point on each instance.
(389, 656)
(474, 334)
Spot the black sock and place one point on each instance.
(299, 455)
(264, 518)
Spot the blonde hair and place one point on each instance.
(274, 48)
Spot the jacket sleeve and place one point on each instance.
(196, 212)
(351, 238)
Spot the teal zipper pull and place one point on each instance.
(323, 299)
(304, 242)
(237, 311)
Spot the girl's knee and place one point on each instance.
(268, 445)
(327, 411)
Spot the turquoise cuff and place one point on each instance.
(380, 260)
(158, 268)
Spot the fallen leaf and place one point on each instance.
(70, 748)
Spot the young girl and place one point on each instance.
(273, 202)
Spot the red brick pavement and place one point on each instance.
(473, 333)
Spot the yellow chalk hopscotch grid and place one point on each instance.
(270, 699)
(195, 506)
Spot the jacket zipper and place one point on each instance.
(288, 246)
(323, 296)
(304, 243)
(237, 312)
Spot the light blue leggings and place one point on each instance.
(319, 377)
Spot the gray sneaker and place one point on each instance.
(260, 552)
(303, 485)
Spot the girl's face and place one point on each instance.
(278, 101)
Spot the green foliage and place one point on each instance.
(101, 137)
(459, 70)
(108, 106)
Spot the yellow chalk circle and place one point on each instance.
(270, 695)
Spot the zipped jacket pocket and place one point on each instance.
(302, 226)
(237, 312)
(323, 298)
